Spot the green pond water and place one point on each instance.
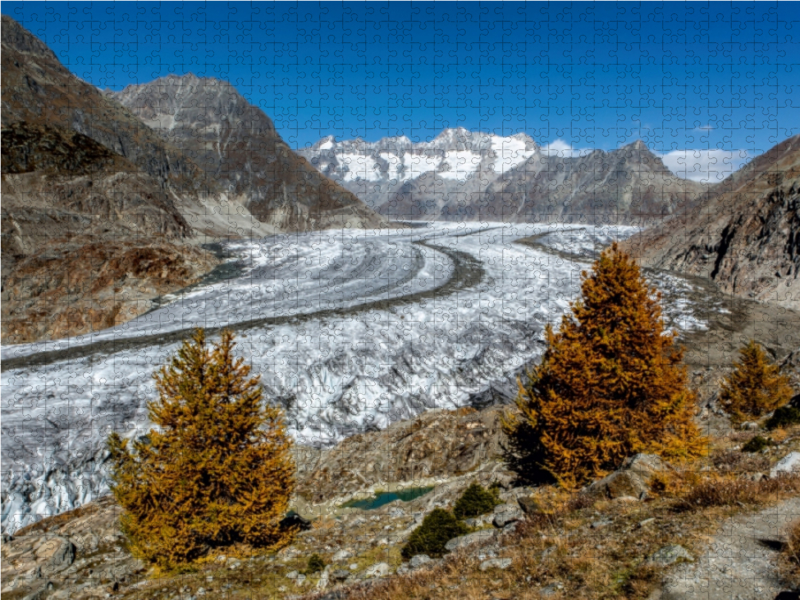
(384, 498)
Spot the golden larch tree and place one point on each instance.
(215, 471)
(611, 384)
(755, 386)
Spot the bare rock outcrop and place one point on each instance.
(236, 144)
(437, 443)
(742, 234)
(79, 554)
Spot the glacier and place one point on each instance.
(350, 330)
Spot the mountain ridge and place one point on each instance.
(742, 233)
(237, 145)
(466, 175)
(102, 215)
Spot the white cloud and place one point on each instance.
(704, 128)
(563, 149)
(704, 165)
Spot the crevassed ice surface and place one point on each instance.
(350, 330)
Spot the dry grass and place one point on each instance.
(727, 491)
(563, 549)
(567, 547)
(734, 461)
(790, 564)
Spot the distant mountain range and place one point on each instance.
(465, 175)
(743, 232)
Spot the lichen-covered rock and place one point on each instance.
(669, 555)
(507, 513)
(788, 464)
(56, 553)
(380, 569)
(495, 563)
(631, 480)
(485, 535)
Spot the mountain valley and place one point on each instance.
(390, 295)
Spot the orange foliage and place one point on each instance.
(216, 471)
(756, 385)
(611, 384)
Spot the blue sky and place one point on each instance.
(719, 79)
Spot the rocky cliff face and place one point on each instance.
(96, 207)
(743, 234)
(236, 145)
(630, 185)
(463, 175)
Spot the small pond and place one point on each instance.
(383, 498)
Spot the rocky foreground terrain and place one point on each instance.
(619, 538)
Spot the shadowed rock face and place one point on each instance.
(38, 89)
(236, 144)
(91, 231)
(88, 239)
(743, 234)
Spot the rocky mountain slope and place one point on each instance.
(101, 215)
(463, 175)
(630, 185)
(236, 145)
(87, 238)
(743, 234)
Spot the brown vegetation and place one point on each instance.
(611, 384)
(756, 386)
(217, 471)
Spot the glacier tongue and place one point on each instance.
(350, 330)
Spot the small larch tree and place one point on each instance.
(611, 384)
(216, 471)
(755, 386)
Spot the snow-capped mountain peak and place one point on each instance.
(378, 171)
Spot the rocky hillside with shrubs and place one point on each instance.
(619, 537)
(636, 495)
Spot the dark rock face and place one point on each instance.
(91, 231)
(743, 234)
(236, 144)
(38, 89)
